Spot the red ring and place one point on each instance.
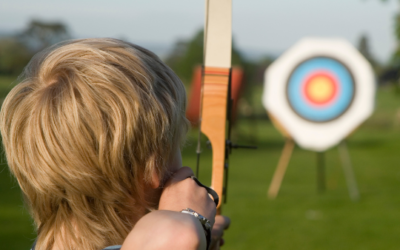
(309, 99)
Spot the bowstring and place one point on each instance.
(228, 134)
(198, 148)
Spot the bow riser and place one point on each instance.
(213, 124)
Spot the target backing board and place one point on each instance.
(319, 91)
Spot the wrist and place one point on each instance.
(205, 223)
(165, 229)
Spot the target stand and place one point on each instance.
(345, 161)
(316, 94)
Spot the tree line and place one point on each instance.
(17, 49)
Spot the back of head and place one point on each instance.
(88, 124)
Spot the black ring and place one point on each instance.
(209, 190)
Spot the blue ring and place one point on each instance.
(331, 111)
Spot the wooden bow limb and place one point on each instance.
(216, 79)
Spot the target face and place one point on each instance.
(320, 89)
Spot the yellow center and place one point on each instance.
(320, 89)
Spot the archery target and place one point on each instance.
(319, 91)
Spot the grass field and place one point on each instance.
(300, 217)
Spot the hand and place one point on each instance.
(181, 192)
(221, 224)
(169, 224)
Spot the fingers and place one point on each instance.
(215, 245)
(181, 192)
(221, 224)
(221, 242)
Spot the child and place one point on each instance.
(93, 134)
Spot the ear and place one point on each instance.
(155, 180)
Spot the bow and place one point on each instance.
(216, 97)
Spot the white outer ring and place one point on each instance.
(319, 136)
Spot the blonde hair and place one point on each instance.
(86, 127)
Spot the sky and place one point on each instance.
(259, 26)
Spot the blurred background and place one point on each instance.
(300, 217)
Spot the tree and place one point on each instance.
(390, 73)
(396, 55)
(364, 48)
(14, 55)
(39, 34)
(17, 50)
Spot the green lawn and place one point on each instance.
(300, 217)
